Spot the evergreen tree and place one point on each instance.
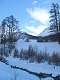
(3, 26)
(11, 24)
(54, 18)
(3, 36)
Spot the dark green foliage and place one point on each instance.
(55, 17)
(27, 40)
(16, 54)
(39, 58)
(33, 56)
(1, 52)
(4, 53)
(28, 54)
(8, 25)
(55, 58)
(24, 54)
(39, 39)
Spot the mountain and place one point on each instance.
(46, 32)
(24, 36)
(46, 35)
(50, 36)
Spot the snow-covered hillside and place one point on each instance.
(46, 32)
(49, 47)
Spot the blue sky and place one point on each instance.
(33, 15)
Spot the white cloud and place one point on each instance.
(39, 14)
(35, 2)
(34, 30)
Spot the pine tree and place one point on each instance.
(54, 18)
(11, 24)
(3, 36)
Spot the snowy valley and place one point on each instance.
(9, 73)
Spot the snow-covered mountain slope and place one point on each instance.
(24, 36)
(46, 32)
(49, 47)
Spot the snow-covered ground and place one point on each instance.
(49, 47)
(35, 67)
(7, 73)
